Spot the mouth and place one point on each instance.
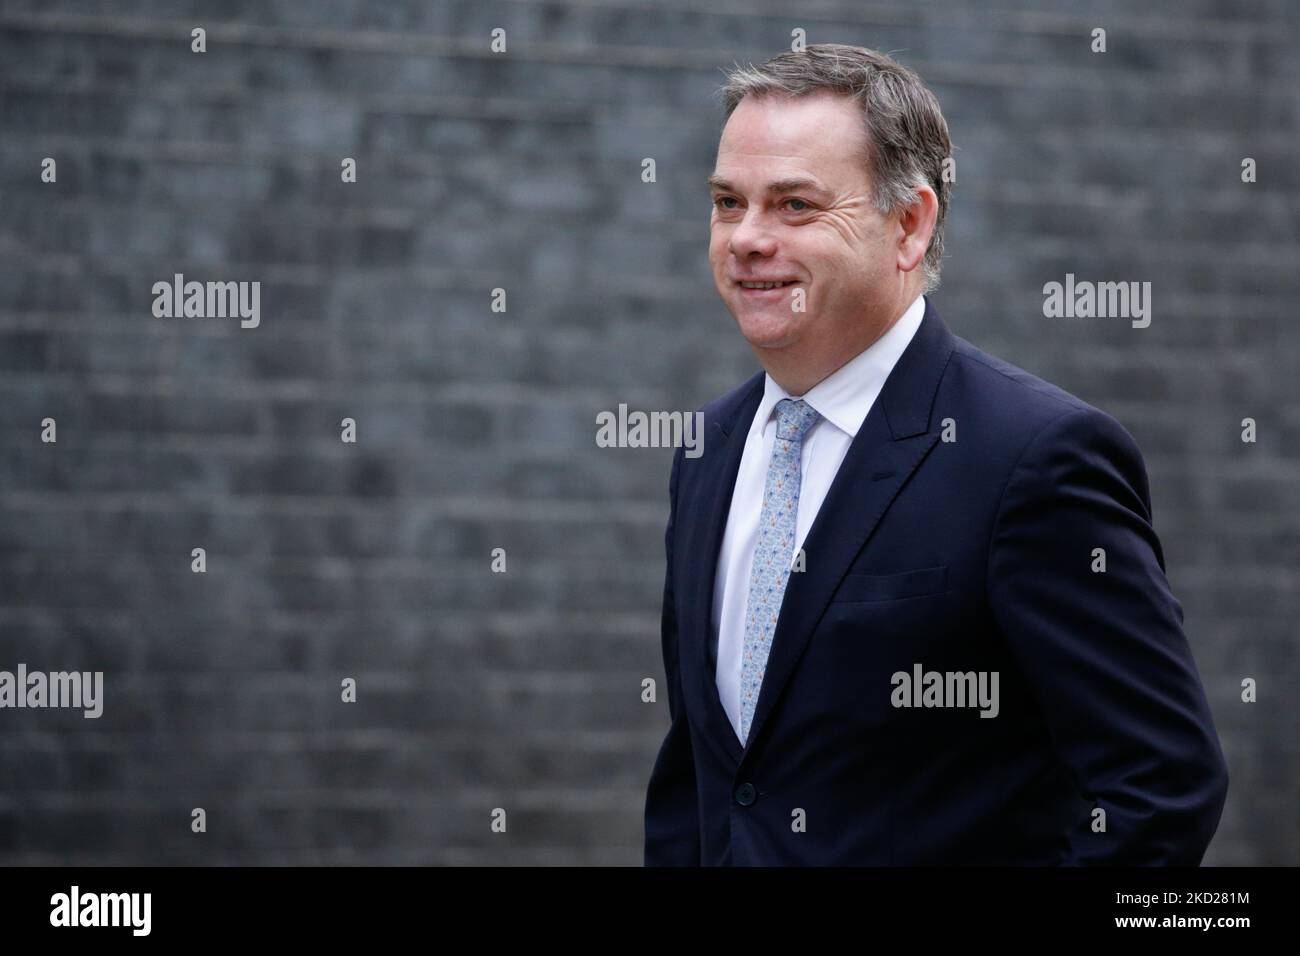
(764, 290)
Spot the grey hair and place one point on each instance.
(907, 136)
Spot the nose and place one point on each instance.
(752, 235)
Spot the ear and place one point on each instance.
(915, 227)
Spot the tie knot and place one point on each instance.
(794, 418)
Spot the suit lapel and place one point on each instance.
(894, 438)
(704, 542)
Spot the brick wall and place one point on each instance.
(475, 428)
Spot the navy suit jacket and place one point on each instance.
(966, 555)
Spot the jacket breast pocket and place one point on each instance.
(862, 588)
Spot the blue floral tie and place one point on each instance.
(774, 552)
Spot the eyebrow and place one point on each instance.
(778, 187)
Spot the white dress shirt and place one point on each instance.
(843, 400)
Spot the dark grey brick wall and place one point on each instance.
(476, 429)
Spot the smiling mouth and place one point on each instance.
(764, 286)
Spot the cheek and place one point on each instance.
(825, 259)
(717, 245)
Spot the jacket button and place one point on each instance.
(746, 794)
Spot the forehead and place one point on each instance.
(819, 134)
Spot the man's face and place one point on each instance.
(826, 236)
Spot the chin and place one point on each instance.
(769, 326)
(762, 333)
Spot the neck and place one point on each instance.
(799, 370)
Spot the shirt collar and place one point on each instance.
(845, 396)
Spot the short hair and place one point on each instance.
(907, 136)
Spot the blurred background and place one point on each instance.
(475, 429)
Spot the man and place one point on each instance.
(915, 611)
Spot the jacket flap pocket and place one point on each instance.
(890, 587)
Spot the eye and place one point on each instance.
(804, 206)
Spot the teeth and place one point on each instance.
(763, 285)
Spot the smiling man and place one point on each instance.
(886, 500)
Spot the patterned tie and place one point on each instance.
(774, 551)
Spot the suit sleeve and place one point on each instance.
(1105, 651)
(672, 819)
